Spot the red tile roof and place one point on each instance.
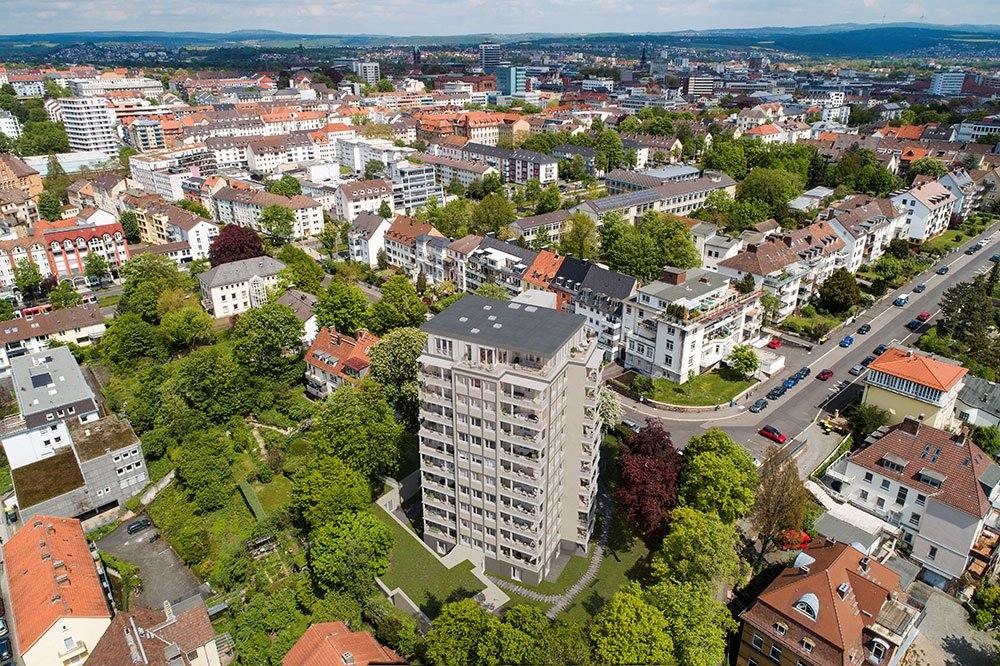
(923, 370)
(326, 644)
(921, 447)
(43, 551)
(333, 352)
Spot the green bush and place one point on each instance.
(273, 417)
(642, 385)
(264, 472)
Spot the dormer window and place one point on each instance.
(781, 628)
(807, 645)
(808, 605)
(879, 650)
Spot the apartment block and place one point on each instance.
(90, 124)
(687, 322)
(510, 434)
(908, 384)
(928, 209)
(236, 287)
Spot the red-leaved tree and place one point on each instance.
(651, 470)
(234, 243)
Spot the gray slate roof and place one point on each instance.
(507, 325)
(985, 395)
(240, 271)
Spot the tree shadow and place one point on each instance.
(433, 604)
(964, 652)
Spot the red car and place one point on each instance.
(825, 374)
(795, 539)
(923, 316)
(772, 434)
(774, 343)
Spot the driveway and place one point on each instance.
(164, 576)
(946, 637)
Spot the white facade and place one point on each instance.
(90, 124)
(928, 210)
(947, 84)
(363, 244)
(368, 71)
(9, 125)
(100, 87)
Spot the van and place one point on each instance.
(901, 300)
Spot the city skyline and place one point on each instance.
(423, 17)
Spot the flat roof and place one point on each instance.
(507, 325)
(48, 379)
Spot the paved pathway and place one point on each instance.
(560, 602)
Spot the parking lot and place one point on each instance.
(946, 637)
(164, 576)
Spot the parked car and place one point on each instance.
(791, 381)
(920, 288)
(923, 316)
(631, 425)
(847, 341)
(868, 360)
(864, 329)
(803, 373)
(758, 406)
(971, 250)
(3, 627)
(139, 525)
(5, 652)
(772, 434)
(881, 349)
(825, 374)
(776, 392)
(774, 343)
(942, 271)
(857, 370)
(901, 300)
(914, 325)
(995, 258)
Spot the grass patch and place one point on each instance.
(844, 447)
(813, 326)
(713, 387)
(575, 567)
(950, 239)
(421, 574)
(625, 559)
(108, 301)
(158, 468)
(274, 495)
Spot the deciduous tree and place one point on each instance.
(326, 488)
(349, 552)
(279, 221)
(780, 505)
(699, 549)
(342, 306)
(394, 365)
(49, 206)
(579, 236)
(650, 468)
(719, 476)
(130, 225)
(743, 360)
(840, 292)
(286, 186)
(262, 335)
(235, 243)
(628, 630)
(357, 425)
(493, 290)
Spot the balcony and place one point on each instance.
(519, 507)
(75, 649)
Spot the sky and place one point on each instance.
(451, 17)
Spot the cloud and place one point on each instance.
(443, 17)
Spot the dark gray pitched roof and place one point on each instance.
(366, 224)
(507, 325)
(240, 271)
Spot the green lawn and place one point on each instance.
(708, 389)
(946, 241)
(574, 569)
(421, 574)
(108, 301)
(274, 495)
(624, 560)
(808, 325)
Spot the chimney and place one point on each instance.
(910, 425)
(672, 275)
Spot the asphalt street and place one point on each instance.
(811, 398)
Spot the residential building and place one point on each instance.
(515, 166)
(104, 86)
(368, 71)
(335, 359)
(331, 643)
(978, 402)
(413, 185)
(179, 635)
(102, 190)
(58, 599)
(489, 57)
(146, 135)
(687, 322)
(304, 306)
(929, 206)
(10, 126)
(698, 86)
(365, 196)
(401, 242)
(568, 151)
(775, 268)
(908, 384)
(90, 124)
(937, 487)
(677, 198)
(509, 434)
(163, 223)
(503, 263)
(163, 172)
(355, 154)
(971, 130)
(236, 287)
(244, 207)
(834, 605)
(947, 84)
(714, 246)
(17, 209)
(366, 238)
(15, 174)
(599, 295)
(81, 325)
(528, 228)
(65, 459)
(866, 225)
(448, 169)
(965, 190)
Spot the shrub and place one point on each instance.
(642, 385)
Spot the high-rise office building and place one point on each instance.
(511, 80)
(368, 71)
(510, 435)
(489, 57)
(90, 124)
(947, 84)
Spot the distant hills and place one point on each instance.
(844, 40)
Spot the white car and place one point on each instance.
(3, 627)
